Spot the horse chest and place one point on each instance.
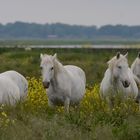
(57, 96)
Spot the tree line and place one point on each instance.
(22, 30)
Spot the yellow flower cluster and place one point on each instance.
(5, 120)
(37, 98)
(92, 101)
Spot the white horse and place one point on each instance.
(118, 78)
(13, 87)
(66, 84)
(135, 67)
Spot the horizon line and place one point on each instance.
(98, 26)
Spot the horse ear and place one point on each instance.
(118, 55)
(41, 55)
(139, 55)
(126, 55)
(54, 56)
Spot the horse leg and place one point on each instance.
(50, 104)
(139, 105)
(66, 105)
(110, 103)
(138, 98)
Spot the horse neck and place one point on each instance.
(136, 68)
(113, 80)
(133, 67)
(58, 69)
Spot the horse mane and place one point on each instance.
(135, 61)
(58, 66)
(134, 64)
(111, 63)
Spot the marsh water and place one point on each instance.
(82, 46)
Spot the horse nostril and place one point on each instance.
(46, 84)
(126, 84)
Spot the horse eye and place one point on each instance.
(51, 68)
(41, 67)
(119, 67)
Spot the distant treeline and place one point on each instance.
(21, 30)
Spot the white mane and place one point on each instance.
(58, 66)
(111, 63)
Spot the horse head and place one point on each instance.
(47, 68)
(119, 68)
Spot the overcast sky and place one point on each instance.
(83, 12)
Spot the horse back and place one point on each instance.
(9, 93)
(76, 72)
(18, 79)
(78, 82)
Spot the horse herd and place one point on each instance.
(66, 85)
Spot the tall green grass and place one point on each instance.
(92, 61)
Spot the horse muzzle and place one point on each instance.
(126, 84)
(46, 84)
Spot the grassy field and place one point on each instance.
(92, 61)
(34, 120)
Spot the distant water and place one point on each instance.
(80, 46)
